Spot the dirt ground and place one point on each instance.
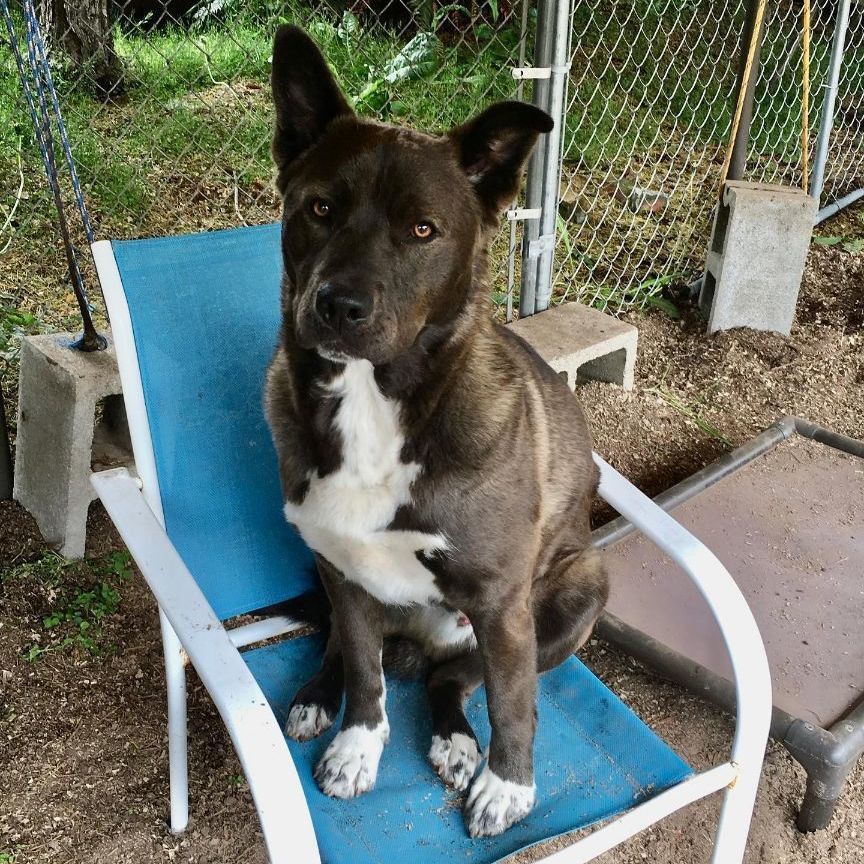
(82, 736)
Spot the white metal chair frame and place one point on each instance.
(191, 632)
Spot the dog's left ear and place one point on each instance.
(493, 148)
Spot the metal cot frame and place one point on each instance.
(191, 632)
(826, 754)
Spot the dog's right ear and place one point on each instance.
(306, 96)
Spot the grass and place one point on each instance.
(188, 145)
(180, 116)
(692, 411)
(14, 323)
(659, 72)
(650, 104)
(78, 597)
(852, 245)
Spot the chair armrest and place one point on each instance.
(738, 628)
(256, 736)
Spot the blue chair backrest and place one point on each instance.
(205, 315)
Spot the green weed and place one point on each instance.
(691, 411)
(847, 244)
(13, 324)
(76, 612)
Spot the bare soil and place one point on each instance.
(82, 736)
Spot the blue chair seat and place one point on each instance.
(205, 316)
(593, 758)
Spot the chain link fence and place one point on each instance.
(844, 165)
(168, 111)
(648, 113)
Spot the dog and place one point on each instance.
(440, 471)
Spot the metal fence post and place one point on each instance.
(511, 245)
(817, 181)
(738, 161)
(536, 165)
(560, 66)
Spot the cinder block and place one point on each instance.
(61, 391)
(583, 343)
(756, 259)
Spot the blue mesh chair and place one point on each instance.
(194, 321)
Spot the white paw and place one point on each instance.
(349, 765)
(307, 721)
(494, 804)
(455, 759)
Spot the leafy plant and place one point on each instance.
(349, 28)
(691, 411)
(653, 287)
(416, 60)
(13, 324)
(76, 615)
(564, 234)
(847, 244)
(664, 304)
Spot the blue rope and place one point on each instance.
(42, 56)
(25, 86)
(38, 78)
(47, 136)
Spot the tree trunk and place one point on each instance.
(84, 29)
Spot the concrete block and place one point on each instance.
(70, 420)
(582, 343)
(755, 262)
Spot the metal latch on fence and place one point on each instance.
(520, 214)
(523, 73)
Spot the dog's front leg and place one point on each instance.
(504, 791)
(349, 765)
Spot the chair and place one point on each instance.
(195, 319)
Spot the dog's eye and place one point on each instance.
(320, 208)
(423, 230)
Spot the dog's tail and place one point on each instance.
(404, 658)
(312, 608)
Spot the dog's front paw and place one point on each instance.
(349, 765)
(307, 721)
(495, 804)
(455, 759)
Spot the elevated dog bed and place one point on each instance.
(786, 516)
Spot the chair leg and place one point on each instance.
(178, 770)
(735, 816)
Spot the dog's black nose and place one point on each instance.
(342, 308)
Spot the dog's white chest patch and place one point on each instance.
(345, 515)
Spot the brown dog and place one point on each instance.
(440, 470)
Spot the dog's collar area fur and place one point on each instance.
(437, 346)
